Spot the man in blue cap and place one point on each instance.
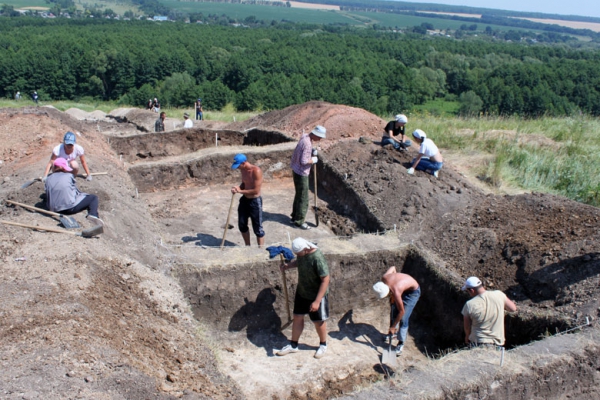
(251, 202)
(69, 151)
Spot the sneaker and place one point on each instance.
(436, 173)
(399, 349)
(95, 220)
(304, 226)
(287, 350)
(321, 351)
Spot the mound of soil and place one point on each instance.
(339, 120)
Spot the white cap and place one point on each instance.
(300, 244)
(471, 283)
(381, 289)
(401, 118)
(319, 131)
(419, 134)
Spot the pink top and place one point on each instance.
(302, 156)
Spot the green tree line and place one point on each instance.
(285, 64)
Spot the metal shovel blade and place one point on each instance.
(69, 222)
(388, 357)
(94, 231)
(29, 183)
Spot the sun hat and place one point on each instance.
(319, 131)
(381, 289)
(300, 244)
(69, 138)
(401, 118)
(62, 163)
(471, 283)
(186, 115)
(238, 160)
(419, 134)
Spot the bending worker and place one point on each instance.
(63, 196)
(483, 315)
(69, 151)
(429, 157)
(405, 293)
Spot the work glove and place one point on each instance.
(314, 160)
(88, 178)
(43, 179)
(314, 153)
(411, 171)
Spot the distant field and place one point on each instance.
(241, 11)
(402, 21)
(569, 24)
(26, 3)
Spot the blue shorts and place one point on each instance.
(302, 307)
(250, 208)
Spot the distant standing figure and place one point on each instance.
(302, 159)
(405, 293)
(35, 97)
(156, 105)
(311, 294)
(18, 96)
(188, 122)
(250, 206)
(393, 129)
(198, 106)
(159, 125)
(69, 151)
(62, 194)
(149, 104)
(429, 157)
(483, 315)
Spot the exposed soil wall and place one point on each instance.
(206, 170)
(165, 144)
(221, 297)
(261, 137)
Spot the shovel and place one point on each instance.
(68, 222)
(388, 357)
(87, 233)
(227, 223)
(31, 182)
(316, 208)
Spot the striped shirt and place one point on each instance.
(301, 159)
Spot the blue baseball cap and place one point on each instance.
(238, 160)
(69, 138)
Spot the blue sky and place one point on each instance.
(588, 8)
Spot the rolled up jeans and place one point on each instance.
(409, 300)
(426, 164)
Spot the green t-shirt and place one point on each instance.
(311, 268)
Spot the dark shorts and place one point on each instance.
(302, 307)
(250, 208)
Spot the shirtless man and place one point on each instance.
(405, 293)
(251, 202)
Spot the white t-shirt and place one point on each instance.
(428, 148)
(59, 152)
(188, 123)
(487, 317)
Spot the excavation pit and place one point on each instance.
(243, 307)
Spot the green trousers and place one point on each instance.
(300, 199)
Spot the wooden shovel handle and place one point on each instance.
(33, 208)
(40, 228)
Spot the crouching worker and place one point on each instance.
(62, 195)
(311, 294)
(429, 157)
